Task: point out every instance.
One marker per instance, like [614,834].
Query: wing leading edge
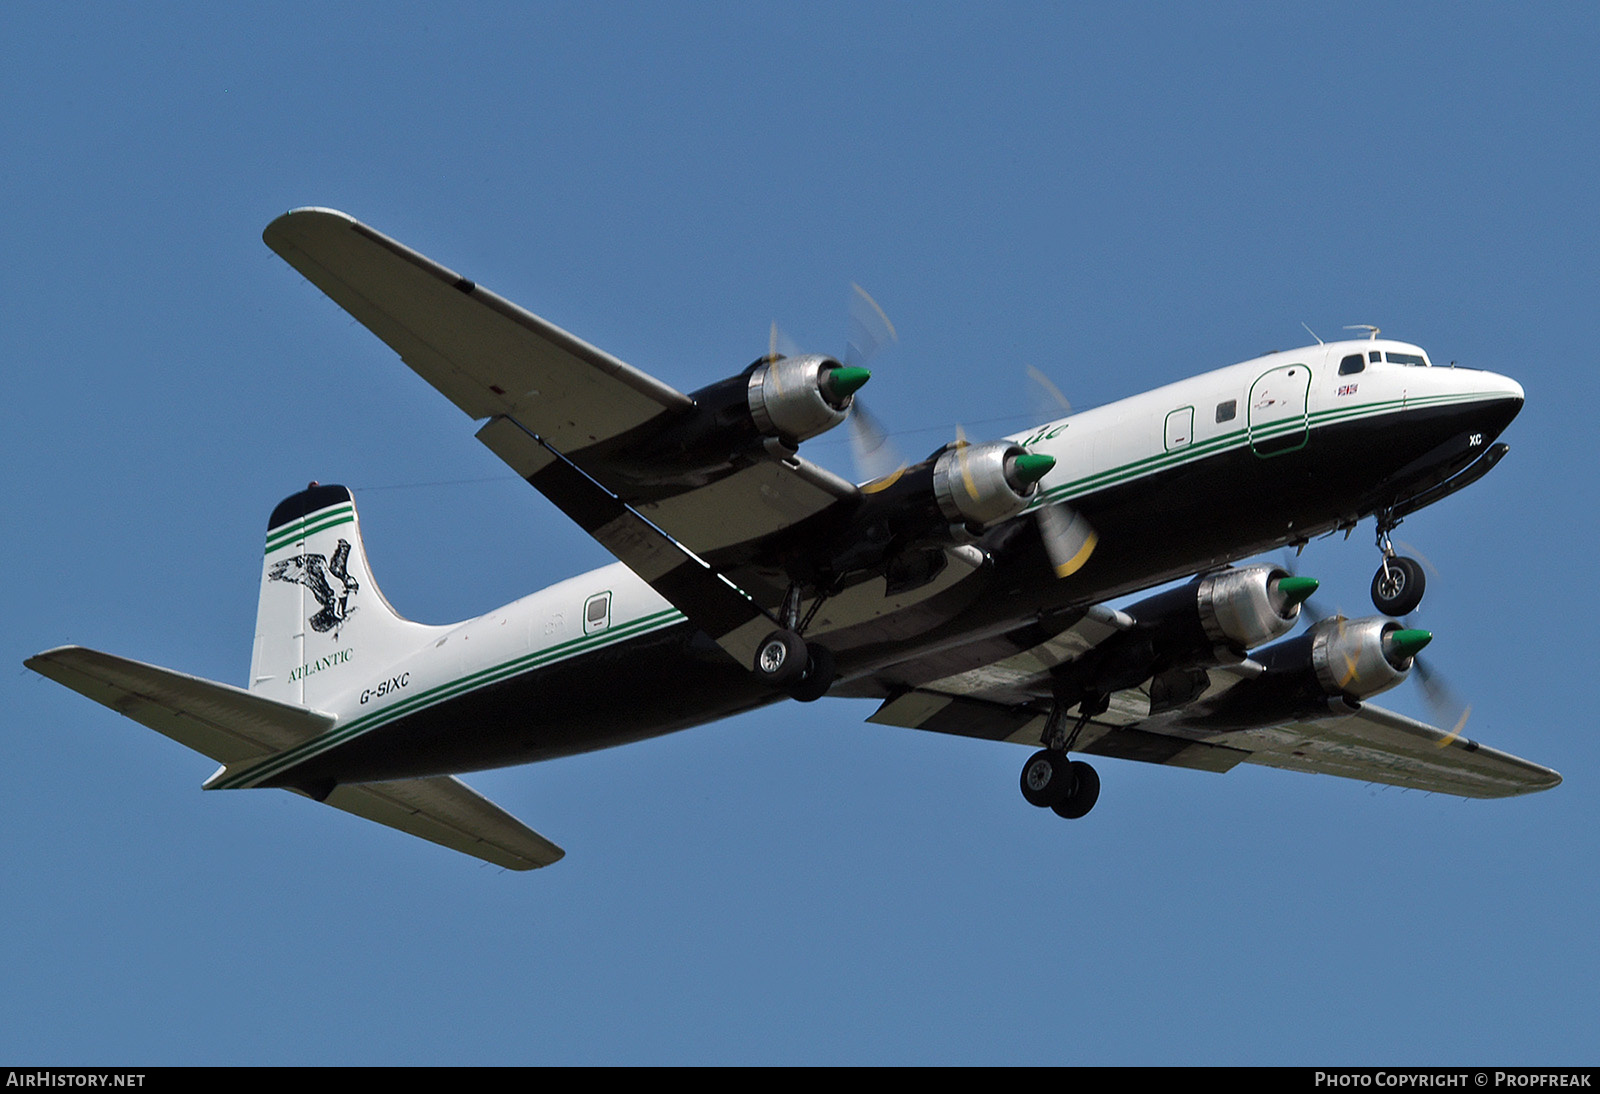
[498,361]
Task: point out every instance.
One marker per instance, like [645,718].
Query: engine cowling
[985,483]
[795,398]
[1250,606]
[1217,616]
[777,401]
[1359,658]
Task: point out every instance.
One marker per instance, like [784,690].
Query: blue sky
[1118,195]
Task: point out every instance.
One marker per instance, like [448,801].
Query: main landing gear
[785,660]
[1398,585]
[1049,779]
[1070,787]
[804,669]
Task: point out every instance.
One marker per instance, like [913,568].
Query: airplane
[965,594]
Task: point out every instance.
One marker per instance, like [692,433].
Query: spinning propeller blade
[877,461]
[1069,539]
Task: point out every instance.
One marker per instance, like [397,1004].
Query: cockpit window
[1354,363]
[1406,358]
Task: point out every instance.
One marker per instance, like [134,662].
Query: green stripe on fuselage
[341,734]
[1238,438]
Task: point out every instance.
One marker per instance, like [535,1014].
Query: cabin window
[597,613]
[1354,363]
[1227,411]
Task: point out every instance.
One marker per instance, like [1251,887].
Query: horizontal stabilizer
[233,726]
[450,813]
[226,723]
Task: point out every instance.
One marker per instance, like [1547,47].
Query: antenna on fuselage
[1372,331]
[1313,334]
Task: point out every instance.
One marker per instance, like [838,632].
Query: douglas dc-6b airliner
[964,594]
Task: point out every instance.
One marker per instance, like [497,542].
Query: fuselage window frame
[597,612]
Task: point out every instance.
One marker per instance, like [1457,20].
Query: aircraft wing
[233,726]
[1372,745]
[497,361]
[1008,699]
[482,352]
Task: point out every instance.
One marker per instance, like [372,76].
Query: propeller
[1448,708]
[1069,539]
[1048,401]
[878,462]
[1445,704]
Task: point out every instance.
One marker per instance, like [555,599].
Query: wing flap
[482,352]
[226,723]
[754,502]
[448,812]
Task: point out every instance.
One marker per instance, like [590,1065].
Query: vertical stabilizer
[322,625]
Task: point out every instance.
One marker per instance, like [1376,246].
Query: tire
[818,677]
[1085,792]
[1398,591]
[1046,777]
[781,659]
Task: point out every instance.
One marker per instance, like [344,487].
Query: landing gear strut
[1049,779]
[1398,585]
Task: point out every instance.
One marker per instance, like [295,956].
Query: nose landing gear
[1398,585]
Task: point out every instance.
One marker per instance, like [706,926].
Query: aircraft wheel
[1397,588]
[1085,792]
[818,677]
[781,659]
[1046,777]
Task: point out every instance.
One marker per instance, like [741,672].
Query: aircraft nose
[1499,400]
[1505,387]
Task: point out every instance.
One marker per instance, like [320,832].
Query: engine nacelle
[775,402]
[1359,658]
[983,484]
[1245,607]
[795,398]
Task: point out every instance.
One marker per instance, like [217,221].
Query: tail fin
[322,624]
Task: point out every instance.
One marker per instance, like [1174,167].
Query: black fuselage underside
[1163,526]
